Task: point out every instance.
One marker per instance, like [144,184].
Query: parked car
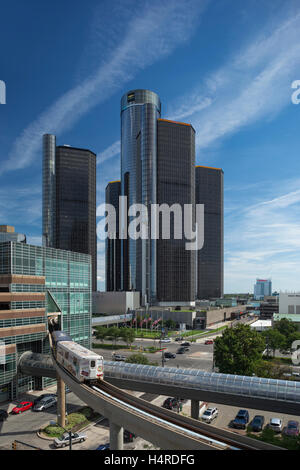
[186,343]
[166,340]
[119,357]
[45,403]
[178,338]
[64,440]
[275,424]
[292,428]
[3,415]
[103,447]
[210,414]
[128,436]
[22,406]
[209,341]
[241,419]
[257,423]
[45,395]
[169,355]
[171,403]
[180,351]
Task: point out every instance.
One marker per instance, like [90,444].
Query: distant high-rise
[157,166]
[210,259]
[261,288]
[113,245]
[69,200]
[8,234]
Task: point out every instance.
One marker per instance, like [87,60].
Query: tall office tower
[69,200]
[150,149]
[113,245]
[210,259]
[140,110]
[261,288]
[176,266]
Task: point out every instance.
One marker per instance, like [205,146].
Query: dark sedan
[169,355]
[257,423]
[3,415]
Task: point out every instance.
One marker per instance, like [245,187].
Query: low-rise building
[289,303]
[115,303]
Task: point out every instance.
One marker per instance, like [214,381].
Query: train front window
[93,363]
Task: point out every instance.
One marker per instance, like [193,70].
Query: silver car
[275,424]
[64,440]
[210,414]
[45,403]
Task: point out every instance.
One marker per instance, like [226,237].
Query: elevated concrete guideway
[111,319]
[248,392]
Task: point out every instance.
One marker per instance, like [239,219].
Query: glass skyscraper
[140,110]
[37,283]
[210,259]
[157,166]
[69,199]
[113,245]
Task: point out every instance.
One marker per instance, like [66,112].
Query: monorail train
[82,363]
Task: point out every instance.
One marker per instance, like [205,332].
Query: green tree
[295,336]
[138,359]
[101,333]
[127,335]
[171,324]
[285,327]
[113,333]
[238,349]
[274,339]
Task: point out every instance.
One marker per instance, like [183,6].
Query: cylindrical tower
[49,189]
[140,110]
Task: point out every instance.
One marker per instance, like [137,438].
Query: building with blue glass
[38,284]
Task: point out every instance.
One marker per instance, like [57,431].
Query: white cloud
[111,151]
[253,84]
[153,31]
[263,239]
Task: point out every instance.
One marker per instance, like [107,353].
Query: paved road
[24,426]
[200,356]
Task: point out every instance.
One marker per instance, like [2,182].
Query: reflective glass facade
[210,268]
[140,110]
[34,282]
[176,266]
[69,200]
[113,246]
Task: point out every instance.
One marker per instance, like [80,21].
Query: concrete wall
[219,315]
[115,303]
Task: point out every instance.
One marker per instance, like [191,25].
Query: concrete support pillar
[61,402]
[195,409]
[116,436]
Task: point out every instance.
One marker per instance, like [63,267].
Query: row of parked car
[276,424]
[40,404]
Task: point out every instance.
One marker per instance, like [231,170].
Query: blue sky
[225,66]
